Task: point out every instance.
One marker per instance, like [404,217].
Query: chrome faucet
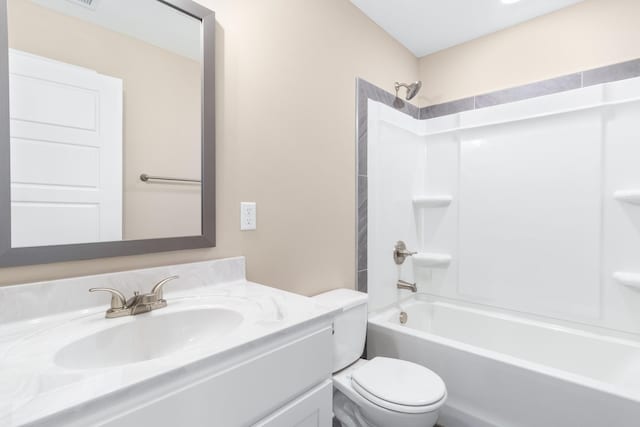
[137,304]
[407,286]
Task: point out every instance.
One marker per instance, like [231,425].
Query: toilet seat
[399,385]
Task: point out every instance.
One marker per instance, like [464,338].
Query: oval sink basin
[146,337]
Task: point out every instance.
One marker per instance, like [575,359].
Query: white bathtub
[507,371]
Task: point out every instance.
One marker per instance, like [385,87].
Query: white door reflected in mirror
[66,153]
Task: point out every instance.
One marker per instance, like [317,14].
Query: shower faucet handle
[400,252]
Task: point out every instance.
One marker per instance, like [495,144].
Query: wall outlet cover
[248,216]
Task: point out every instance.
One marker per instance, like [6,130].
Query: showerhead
[412,89]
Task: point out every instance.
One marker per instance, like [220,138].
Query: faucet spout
[407,286]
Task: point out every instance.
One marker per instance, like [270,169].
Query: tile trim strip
[607,74]
[366,91]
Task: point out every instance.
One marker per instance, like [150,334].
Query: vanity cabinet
[313,409]
[231,353]
[282,385]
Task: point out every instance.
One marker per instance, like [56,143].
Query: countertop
[34,386]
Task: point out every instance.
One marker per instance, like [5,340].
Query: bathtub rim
[547,321]
[380,319]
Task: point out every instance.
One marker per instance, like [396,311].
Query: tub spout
[406,285]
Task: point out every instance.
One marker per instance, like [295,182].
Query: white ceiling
[427,26]
[146,20]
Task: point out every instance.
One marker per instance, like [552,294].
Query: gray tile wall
[366,91]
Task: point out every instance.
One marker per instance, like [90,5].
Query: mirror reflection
[98,98]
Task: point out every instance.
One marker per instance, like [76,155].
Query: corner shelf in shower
[432,201]
[628,196]
[431,260]
[631,280]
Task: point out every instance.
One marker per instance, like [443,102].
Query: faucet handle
[157,289]
[118,300]
[400,252]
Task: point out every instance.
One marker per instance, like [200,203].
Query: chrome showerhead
[412,89]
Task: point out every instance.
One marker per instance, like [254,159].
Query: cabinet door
[313,409]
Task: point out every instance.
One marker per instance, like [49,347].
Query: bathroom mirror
[106,128]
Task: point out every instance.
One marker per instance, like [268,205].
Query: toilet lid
[398,383]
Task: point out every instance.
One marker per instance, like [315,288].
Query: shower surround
[367,92]
[524,206]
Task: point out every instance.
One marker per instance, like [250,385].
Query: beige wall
[588,35]
[286,120]
[285,78]
[161,126]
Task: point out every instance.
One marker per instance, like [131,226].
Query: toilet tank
[349,324]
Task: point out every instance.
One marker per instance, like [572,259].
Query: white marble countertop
[34,385]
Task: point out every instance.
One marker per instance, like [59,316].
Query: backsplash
[34,300]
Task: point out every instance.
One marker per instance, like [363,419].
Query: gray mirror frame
[48,254]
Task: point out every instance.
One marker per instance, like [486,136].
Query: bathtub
[503,370]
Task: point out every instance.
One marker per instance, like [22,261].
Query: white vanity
[224,352]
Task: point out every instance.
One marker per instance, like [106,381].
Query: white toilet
[381,392]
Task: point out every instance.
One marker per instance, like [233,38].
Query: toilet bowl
[390,398]
[382,392]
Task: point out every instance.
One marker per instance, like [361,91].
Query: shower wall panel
[530,215]
[399,162]
[537,204]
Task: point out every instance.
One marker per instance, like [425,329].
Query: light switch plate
[248,216]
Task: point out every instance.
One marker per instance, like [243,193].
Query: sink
[146,337]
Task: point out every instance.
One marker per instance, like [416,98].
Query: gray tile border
[533,90]
[612,73]
[366,91]
[362,280]
[362,222]
[447,108]
[362,131]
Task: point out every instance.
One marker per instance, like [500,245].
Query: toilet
[381,392]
